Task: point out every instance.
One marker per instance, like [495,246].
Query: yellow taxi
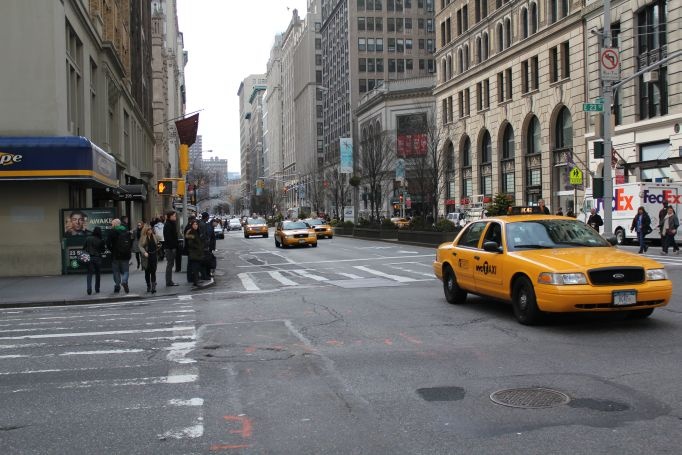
[255,226]
[289,233]
[322,229]
[401,223]
[553,264]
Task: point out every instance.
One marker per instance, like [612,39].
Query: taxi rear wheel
[314,245]
[526,308]
[453,293]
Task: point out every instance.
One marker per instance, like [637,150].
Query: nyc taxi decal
[486,269]
[7,159]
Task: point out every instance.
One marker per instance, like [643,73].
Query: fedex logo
[667,195]
[623,202]
[7,159]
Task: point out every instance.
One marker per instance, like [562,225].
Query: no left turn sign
[609,64]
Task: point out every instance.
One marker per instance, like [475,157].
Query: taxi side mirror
[491,247]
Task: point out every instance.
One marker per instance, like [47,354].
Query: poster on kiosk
[76,226]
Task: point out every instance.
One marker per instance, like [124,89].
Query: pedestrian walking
[595,221]
[195,251]
[209,243]
[149,250]
[170,245]
[137,235]
[641,224]
[94,246]
[120,245]
[560,212]
[669,227]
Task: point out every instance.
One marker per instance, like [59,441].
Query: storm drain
[530,398]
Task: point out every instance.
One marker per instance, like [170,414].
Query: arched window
[486,46]
[500,38]
[479,50]
[507,33]
[467,180]
[485,167]
[466,57]
[449,67]
[507,161]
[460,62]
[533,163]
[533,18]
[524,23]
[563,130]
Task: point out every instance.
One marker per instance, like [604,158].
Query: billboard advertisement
[412,135]
[76,225]
[346,152]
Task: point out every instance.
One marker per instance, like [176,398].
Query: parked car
[219,232]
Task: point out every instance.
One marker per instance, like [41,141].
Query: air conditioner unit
[651,76]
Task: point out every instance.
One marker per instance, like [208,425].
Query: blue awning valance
[55,158]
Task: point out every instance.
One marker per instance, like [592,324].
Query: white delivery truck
[628,197]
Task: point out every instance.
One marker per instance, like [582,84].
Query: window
[380,65]
[486,148]
[558,9]
[370,84]
[467,101]
[533,142]
[507,33]
[533,18]
[370,45]
[651,47]
[500,37]
[390,5]
[420,23]
[459,22]
[380,44]
[533,180]
[508,143]
[408,64]
[390,25]
[370,24]
[479,50]
[500,87]
[401,65]
[430,66]
[408,45]
[524,23]
[318,43]
[465,18]
[466,58]
[379,24]
[465,154]
[370,5]
[362,46]
[422,64]
[473,233]
[399,25]
[370,65]
[430,45]
[318,77]
[553,65]
[74,82]
[429,25]
[477,12]
[361,5]
[391,65]
[320,129]
[508,82]
[461,104]
[445,111]
[391,45]
[565,60]
[486,47]
[563,130]
[318,59]
[486,93]
[535,73]
[525,77]
[507,163]
[408,25]
[363,85]
[400,46]
[422,44]
[361,24]
[362,65]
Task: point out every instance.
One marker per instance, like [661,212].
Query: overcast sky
[227,40]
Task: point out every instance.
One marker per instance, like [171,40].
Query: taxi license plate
[301,240]
[624,298]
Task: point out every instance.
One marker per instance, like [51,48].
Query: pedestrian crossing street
[124,365]
[370,275]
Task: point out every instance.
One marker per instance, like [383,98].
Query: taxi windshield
[314,222]
[255,221]
[294,225]
[527,235]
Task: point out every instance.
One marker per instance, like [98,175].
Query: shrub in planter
[444,225]
[386,223]
[347,224]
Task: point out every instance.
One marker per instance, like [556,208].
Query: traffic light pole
[607,93]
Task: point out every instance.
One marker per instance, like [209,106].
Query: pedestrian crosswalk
[123,361]
[257,279]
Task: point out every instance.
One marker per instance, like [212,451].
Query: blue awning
[55,158]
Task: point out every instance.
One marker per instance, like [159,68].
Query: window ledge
[531,92]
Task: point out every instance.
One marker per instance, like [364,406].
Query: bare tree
[339,188]
[428,166]
[316,190]
[377,163]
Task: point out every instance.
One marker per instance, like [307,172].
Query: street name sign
[593,107]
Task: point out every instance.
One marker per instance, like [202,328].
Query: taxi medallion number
[624,298]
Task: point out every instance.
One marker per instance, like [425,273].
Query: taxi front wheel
[453,293]
[525,306]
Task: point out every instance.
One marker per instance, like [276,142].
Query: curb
[65,302]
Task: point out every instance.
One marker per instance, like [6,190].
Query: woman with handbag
[641,224]
[149,252]
[94,247]
[669,226]
[195,251]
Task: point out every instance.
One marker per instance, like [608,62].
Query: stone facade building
[511,83]
[76,120]
[248,123]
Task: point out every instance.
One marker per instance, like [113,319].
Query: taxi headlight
[656,274]
[562,278]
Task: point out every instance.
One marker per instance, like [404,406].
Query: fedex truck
[628,197]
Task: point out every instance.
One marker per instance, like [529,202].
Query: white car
[234,225]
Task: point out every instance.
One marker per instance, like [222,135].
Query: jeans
[150,270]
[193,271]
[120,268]
[668,241]
[94,266]
[170,263]
[642,243]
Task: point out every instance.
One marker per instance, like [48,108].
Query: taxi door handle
[477,257]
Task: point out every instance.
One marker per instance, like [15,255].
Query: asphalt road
[348,348]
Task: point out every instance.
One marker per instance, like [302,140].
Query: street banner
[400,170]
[76,225]
[187,129]
[412,137]
[346,147]
[349,213]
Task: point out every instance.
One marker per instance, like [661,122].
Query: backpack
[123,244]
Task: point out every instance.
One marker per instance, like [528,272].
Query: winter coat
[150,246]
[195,245]
[170,235]
[114,235]
[646,223]
[94,246]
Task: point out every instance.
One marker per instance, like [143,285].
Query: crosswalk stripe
[403,269]
[305,273]
[247,282]
[282,279]
[400,279]
[351,276]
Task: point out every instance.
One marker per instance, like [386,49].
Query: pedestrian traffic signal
[164,187]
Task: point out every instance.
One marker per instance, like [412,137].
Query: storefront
[40,178]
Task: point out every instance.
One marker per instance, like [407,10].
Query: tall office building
[364,43]
[249,90]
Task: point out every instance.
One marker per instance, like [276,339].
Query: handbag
[648,230]
[83,257]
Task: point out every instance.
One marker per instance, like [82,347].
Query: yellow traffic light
[181,188]
[183,161]
[164,187]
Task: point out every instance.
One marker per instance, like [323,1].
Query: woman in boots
[149,250]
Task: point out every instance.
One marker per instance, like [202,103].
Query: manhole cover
[530,398]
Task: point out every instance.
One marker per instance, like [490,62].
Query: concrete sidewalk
[72,289]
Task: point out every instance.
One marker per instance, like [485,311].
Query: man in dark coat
[208,240]
[120,245]
[170,244]
[595,221]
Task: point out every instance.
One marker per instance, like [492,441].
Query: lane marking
[306,274]
[248,282]
[282,279]
[350,275]
[400,279]
[83,334]
[378,258]
[113,351]
[404,269]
